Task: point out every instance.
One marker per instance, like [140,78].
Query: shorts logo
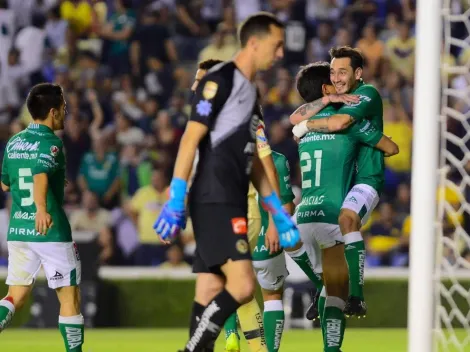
[54,150]
[210,90]
[239,226]
[75,249]
[352,199]
[57,276]
[242,246]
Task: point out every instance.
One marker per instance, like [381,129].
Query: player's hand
[300,129]
[272,240]
[344,98]
[43,222]
[169,222]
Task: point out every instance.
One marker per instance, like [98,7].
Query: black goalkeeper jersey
[226,102]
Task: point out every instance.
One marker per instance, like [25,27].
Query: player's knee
[241,287]
[349,221]
[207,287]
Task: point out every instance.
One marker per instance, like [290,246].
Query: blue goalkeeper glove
[172,218]
[289,235]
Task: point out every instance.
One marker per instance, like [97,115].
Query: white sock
[74,320]
[271,306]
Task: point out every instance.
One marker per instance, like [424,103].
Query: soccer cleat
[355,306]
[232,343]
[312,311]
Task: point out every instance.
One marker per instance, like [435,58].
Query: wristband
[177,193]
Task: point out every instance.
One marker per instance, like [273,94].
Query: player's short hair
[42,98]
[311,78]
[355,55]
[258,24]
[208,64]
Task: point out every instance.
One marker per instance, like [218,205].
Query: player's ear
[358,73]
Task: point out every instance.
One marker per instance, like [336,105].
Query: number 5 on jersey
[307,168]
[26,186]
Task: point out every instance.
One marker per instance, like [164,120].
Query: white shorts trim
[60,261]
[271,273]
[361,199]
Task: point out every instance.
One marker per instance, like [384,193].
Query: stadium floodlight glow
[424,176]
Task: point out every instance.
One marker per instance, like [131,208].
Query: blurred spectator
[99,173]
[403,201]
[167,137]
[135,170]
[31,42]
[385,240]
[8,25]
[148,53]
[24,10]
[391,28]
[77,143]
[12,78]
[190,28]
[91,217]
[321,10]
[118,31]
[212,13]
[245,8]
[144,208]
[78,14]
[174,257]
[343,37]
[56,29]
[401,52]
[372,50]
[126,133]
[321,44]
[223,46]
[176,111]
[283,93]
[398,126]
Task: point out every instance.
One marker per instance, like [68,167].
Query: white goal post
[439,297]
[424,176]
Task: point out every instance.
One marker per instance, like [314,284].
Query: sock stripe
[252,334]
[352,237]
[8,305]
[73,320]
[274,305]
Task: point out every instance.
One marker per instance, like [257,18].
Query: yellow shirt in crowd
[402,135]
[148,203]
[402,55]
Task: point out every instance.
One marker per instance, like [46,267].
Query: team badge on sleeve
[210,90]
[54,150]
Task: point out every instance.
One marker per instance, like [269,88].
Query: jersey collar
[359,84]
[39,127]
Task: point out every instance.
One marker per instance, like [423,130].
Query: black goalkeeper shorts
[220,231]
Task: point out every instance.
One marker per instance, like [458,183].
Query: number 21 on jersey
[307,168]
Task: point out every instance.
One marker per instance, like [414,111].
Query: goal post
[424,176]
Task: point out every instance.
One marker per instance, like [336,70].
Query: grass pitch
[171,340]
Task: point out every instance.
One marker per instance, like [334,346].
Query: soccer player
[324,188]
[223,124]
[39,232]
[345,74]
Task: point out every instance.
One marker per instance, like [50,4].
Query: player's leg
[62,266]
[357,207]
[225,251]
[232,338]
[271,274]
[208,285]
[249,314]
[307,255]
[335,274]
[23,267]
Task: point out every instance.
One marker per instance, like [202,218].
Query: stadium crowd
[126,67]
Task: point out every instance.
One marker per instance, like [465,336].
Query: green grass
[170,340]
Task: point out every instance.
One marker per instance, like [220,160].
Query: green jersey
[327,166]
[370,161]
[99,174]
[282,166]
[35,150]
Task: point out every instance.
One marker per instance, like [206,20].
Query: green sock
[321,309]
[230,325]
[355,252]
[73,332]
[300,256]
[273,318]
[334,324]
[7,310]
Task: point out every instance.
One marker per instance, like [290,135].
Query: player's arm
[309,110]
[5,176]
[265,154]
[367,134]
[46,164]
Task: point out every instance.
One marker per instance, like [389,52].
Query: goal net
[452,264]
